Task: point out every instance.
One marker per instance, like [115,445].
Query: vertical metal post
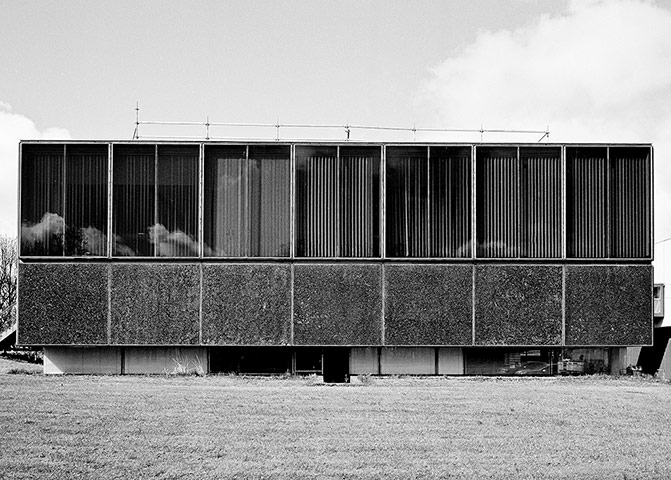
[110,198]
[64,197]
[382,241]
[201,200]
[136,134]
[155,249]
[564,203]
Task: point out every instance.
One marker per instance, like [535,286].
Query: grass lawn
[235,427]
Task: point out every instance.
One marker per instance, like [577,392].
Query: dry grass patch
[234,427]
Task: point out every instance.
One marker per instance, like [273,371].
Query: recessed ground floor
[337,364]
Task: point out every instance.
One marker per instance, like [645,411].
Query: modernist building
[334,257]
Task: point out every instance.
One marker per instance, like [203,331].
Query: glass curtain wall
[337,201]
[247,201]
[42,222]
[86,169]
[64,200]
[155,200]
[428,206]
[519,202]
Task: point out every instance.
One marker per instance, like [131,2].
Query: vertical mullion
[110,198]
[155,250]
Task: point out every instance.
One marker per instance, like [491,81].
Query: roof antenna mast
[136,133]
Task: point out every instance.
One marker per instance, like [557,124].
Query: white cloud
[599,72]
[15,127]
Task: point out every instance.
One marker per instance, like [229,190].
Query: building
[139,257]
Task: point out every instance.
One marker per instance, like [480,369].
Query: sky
[590,71]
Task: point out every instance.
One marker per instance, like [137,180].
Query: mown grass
[234,427]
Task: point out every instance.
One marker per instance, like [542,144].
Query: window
[519,202]
[247,201]
[64,200]
[428,204]
[608,204]
[337,201]
[155,200]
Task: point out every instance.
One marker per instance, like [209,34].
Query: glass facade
[368,201]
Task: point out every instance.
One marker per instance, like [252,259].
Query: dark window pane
[407,217]
[269,201]
[337,201]
[541,202]
[224,207]
[359,201]
[86,200]
[450,202]
[175,233]
[630,202]
[587,202]
[317,199]
[498,208]
[134,199]
[42,223]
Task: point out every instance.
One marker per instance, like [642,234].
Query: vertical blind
[337,201]
[428,202]
[587,210]
[450,202]
[42,223]
[247,201]
[134,199]
[541,202]
[630,202]
[269,201]
[175,232]
[86,200]
[498,207]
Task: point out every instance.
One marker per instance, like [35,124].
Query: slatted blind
[86,200]
[541,202]
[587,202]
[269,201]
[407,219]
[175,233]
[133,211]
[498,207]
[630,202]
[42,224]
[337,201]
[450,202]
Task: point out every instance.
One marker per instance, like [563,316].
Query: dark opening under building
[359,258]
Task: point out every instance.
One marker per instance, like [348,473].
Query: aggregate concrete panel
[246,304]
[75,360]
[337,304]
[518,305]
[62,304]
[408,361]
[155,304]
[609,305]
[428,304]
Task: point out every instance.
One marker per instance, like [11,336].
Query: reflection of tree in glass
[172,244]
[44,237]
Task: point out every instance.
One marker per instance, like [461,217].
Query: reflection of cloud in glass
[172,244]
[39,238]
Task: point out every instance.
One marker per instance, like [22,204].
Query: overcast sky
[594,71]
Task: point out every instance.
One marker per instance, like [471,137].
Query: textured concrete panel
[408,361]
[62,304]
[155,304]
[337,305]
[164,360]
[246,304]
[518,305]
[450,361]
[609,305]
[89,361]
[428,304]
